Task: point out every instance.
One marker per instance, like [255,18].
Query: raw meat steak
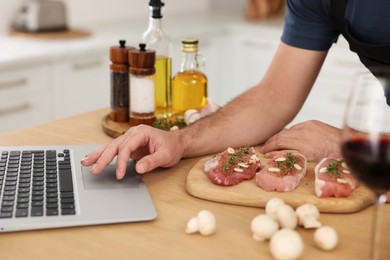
[283,172]
[333,179]
[232,166]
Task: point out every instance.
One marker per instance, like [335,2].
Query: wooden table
[164,238]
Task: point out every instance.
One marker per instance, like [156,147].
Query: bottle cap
[119,56]
[142,61]
[189,45]
[156,3]
[156,6]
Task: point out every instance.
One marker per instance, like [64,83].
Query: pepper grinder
[141,72]
[119,82]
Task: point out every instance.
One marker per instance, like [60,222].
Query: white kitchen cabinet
[328,98]
[38,94]
[252,55]
[220,68]
[252,52]
[24,97]
[81,84]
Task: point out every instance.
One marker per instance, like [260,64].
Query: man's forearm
[261,111]
[240,122]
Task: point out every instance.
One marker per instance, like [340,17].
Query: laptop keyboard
[36,183]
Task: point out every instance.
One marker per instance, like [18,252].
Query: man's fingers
[121,161]
[281,141]
[105,158]
[270,154]
[274,143]
[137,143]
[148,163]
[92,157]
[132,142]
[154,160]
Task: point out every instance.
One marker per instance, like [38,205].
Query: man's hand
[151,148]
[314,139]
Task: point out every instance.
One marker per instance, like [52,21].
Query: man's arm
[263,110]
[249,119]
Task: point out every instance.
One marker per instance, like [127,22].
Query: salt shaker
[142,70]
[119,82]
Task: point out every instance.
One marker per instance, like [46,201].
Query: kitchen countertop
[17,51]
[164,237]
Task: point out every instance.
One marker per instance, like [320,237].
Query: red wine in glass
[366,139]
[369,159]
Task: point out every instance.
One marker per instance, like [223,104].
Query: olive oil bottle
[189,86]
[156,39]
[162,81]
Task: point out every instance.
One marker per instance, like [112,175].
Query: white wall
[85,12]
[228,5]
[7,10]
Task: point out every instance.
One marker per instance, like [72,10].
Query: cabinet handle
[87,65]
[15,109]
[13,83]
[260,45]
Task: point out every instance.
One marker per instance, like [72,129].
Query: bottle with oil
[156,39]
[189,86]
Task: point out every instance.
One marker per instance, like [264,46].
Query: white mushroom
[204,223]
[308,215]
[286,244]
[173,128]
[192,226]
[286,216]
[263,227]
[326,238]
[210,108]
[191,116]
[272,205]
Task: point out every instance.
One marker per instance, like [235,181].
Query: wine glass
[366,139]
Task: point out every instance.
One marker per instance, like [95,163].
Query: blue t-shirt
[309,24]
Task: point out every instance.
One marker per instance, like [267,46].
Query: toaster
[40,16]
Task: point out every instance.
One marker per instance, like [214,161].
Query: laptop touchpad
[107,178]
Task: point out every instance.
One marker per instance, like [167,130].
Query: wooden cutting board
[247,193]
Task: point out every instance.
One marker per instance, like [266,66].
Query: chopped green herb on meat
[333,169]
[288,165]
[231,160]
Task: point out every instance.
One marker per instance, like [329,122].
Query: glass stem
[380,200]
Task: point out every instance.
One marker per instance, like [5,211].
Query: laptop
[46,187]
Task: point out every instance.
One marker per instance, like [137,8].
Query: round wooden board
[247,193]
[60,35]
[112,128]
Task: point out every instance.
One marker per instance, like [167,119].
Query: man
[259,115]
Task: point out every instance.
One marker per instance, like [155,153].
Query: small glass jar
[142,100]
[189,85]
